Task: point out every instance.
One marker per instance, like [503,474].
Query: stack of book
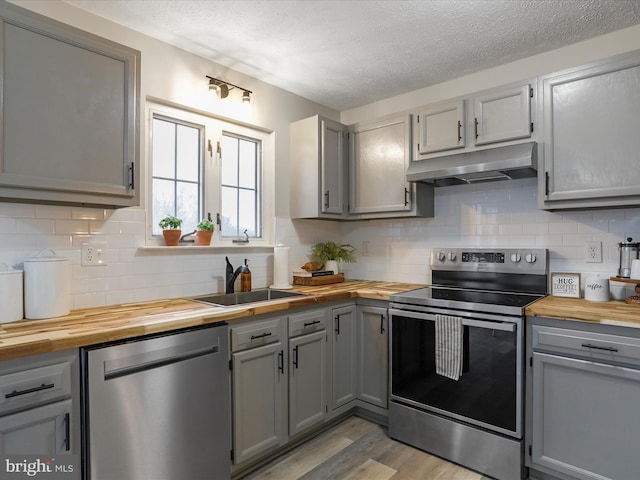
[318,277]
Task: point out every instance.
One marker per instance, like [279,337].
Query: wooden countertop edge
[581,310]
[118,322]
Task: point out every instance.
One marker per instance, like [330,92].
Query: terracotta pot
[172,237]
[203,237]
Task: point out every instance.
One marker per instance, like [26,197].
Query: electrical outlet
[594,252]
[94,254]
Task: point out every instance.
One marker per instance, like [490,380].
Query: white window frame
[214,126]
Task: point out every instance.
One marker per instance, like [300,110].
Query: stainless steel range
[457,357]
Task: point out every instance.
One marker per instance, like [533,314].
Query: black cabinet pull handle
[459,130]
[67,430]
[381,324]
[281,361]
[308,324]
[262,335]
[407,197]
[597,347]
[326,199]
[337,319]
[295,357]
[476,127]
[16,393]
[133,178]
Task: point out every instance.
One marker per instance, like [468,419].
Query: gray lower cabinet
[307,370]
[373,355]
[591,141]
[585,392]
[40,406]
[259,387]
[69,115]
[343,356]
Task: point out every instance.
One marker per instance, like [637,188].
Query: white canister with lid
[596,289]
[11,297]
[47,286]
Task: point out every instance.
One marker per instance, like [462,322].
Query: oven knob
[515,258]
[530,258]
[441,256]
[452,256]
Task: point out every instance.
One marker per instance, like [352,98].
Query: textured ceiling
[349,53]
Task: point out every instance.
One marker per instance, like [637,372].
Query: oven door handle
[503,326]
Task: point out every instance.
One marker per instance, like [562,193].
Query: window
[203,166]
[240,199]
[177,172]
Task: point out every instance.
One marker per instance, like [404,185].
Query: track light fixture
[222,88]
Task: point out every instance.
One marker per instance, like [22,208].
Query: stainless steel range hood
[501,163]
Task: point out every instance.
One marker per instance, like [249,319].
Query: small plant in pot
[204,232]
[171,232]
[330,253]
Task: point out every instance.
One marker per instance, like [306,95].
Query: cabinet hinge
[531,127]
[531,92]
[530,451]
[546,183]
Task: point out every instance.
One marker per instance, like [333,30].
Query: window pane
[247,159]
[247,213]
[188,153]
[163,148]
[229,160]
[163,202]
[230,212]
[188,205]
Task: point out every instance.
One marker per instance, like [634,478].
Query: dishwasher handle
[111,373]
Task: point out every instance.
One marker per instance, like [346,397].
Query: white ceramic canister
[596,289]
[47,286]
[11,298]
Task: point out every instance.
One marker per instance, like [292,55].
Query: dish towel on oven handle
[449,334]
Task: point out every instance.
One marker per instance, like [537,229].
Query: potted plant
[171,232]
[330,253]
[204,232]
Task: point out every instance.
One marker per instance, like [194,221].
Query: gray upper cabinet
[440,127]
[502,115]
[69,115]
[379,158]
[318,168]
[591,141]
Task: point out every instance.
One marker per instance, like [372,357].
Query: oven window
[486,391]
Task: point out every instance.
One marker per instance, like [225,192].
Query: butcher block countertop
[613,312]
[117,322]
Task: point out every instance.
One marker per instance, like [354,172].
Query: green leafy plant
[206,225]
[342,252]
[170,223]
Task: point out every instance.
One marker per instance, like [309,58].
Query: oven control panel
[531,260]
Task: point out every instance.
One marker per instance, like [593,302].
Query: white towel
[449,352]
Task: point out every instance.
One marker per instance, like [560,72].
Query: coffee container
[628,253]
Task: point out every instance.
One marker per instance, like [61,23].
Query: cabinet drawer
[255,335]
[307,322]
[598,346]
[28,388]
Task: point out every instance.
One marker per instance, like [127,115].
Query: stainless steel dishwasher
[158,407]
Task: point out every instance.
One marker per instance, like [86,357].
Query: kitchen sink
[242,298]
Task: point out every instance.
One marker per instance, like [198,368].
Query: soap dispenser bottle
[245,277]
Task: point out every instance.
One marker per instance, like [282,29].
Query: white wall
[497,214]
[173,75]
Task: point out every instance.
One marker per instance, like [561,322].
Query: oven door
[489,392]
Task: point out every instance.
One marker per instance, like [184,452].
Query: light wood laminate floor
[357,449]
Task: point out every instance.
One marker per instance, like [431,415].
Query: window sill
[204,248]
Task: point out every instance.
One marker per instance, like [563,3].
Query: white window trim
[214,126]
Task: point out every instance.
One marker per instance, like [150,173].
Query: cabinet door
[41,430]
[259,390]
[69,114]
[333,157]
[380,155]
[503,116]
[585,418]
[343,356]
[373,355]
[440,128]
[591,141]
[307,381]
